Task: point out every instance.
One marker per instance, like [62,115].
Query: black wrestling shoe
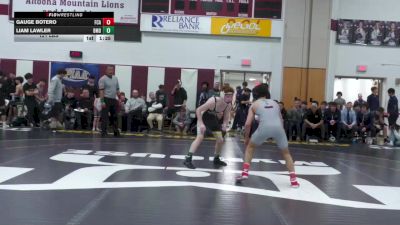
[104,134]
[188,163]
[218,162]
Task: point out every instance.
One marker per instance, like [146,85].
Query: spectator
[379,123]
[152,99]
[156,112]
[161,91]
[55,96]
[304,111]
[360,101]
[204,95]
[121,115]
[11,86]
[242,109]
[182,120]
[31,91]
[313,122]
[70,103]
[180,95]
[357,109]
[42,96]
[332,120]
[135,108]
[3,87]
[324,107]
[92,87]
[349,119]
[16,98]
[283,114]
[364,121]
[85,109]
[392,108]
[339,100]
[216,92]
[373,100]
[294,117]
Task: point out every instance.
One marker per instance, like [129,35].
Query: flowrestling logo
[175,24]
[97,172]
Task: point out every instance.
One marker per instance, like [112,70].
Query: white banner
[125,11]
[176,24]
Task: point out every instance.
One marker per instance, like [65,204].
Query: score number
[108,21]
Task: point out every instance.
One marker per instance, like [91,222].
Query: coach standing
[108,91]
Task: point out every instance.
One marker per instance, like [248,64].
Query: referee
[108,91]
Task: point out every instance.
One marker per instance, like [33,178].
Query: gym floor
[72,178]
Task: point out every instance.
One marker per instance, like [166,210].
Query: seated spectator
[182,120]
[379,123]
[313,122]
[69,103]
[332,120]
[135,108]
[339,100]
[349,120]
[323,107]
[364,121]
[84,109]
[121,116]
[294,117]
[304,111]
[156,112]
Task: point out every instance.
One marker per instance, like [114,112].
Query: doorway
[236,78]
[352,86]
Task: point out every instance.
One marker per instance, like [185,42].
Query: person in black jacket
[84,109]
[373,100]
[364,121]
[332,120]
[392,108]
[70,103]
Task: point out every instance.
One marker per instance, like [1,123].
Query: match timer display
[64,26]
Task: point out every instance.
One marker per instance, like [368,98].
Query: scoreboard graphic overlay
[63,26]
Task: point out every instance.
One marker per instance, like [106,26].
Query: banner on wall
[175,24]
[368,32]
[241,27]
[125,11]
[77,73]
